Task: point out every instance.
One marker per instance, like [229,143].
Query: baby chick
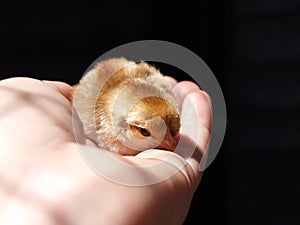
[127,107]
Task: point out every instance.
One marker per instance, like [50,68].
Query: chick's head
[153,122]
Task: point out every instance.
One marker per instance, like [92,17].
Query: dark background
[253,48]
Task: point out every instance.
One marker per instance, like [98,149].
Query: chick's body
[127,107]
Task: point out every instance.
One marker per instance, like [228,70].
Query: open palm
[45,180]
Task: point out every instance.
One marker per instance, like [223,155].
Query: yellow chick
[127,107]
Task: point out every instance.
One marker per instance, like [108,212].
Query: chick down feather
[127,107]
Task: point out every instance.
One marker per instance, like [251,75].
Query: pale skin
[44,179]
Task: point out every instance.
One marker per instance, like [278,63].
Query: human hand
[45,180]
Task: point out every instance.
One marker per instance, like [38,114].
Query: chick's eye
[145,132]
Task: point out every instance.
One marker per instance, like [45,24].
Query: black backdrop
[251,46]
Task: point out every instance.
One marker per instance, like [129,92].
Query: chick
[127,107]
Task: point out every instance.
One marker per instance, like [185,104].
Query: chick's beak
[169,143]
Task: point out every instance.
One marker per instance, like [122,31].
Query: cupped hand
[44,179]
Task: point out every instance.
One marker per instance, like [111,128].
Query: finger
[164,165]
[171,79]
[61,87]
[196,118]
[195,129]
[182,89]
[208,100]
[202,104]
